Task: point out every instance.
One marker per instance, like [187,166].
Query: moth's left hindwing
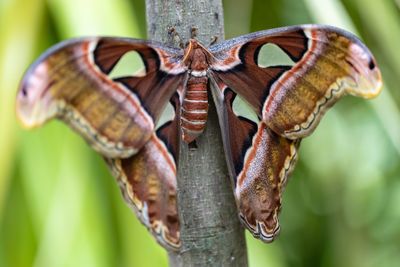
[117,117]
[148,181]
[288,99]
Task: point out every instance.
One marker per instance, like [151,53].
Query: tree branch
[211,233]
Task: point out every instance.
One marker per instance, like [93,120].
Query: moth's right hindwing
[260,162]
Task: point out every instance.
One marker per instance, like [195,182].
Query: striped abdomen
[194,108]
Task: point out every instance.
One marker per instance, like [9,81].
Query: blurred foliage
[60,207]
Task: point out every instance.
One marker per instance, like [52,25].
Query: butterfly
[120,117]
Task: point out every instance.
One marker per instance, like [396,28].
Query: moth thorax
[194,108]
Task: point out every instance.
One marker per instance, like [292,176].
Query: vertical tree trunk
[210,230]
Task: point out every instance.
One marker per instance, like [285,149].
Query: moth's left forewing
[291,98]
[72,81]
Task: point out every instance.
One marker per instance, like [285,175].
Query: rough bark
[210,230]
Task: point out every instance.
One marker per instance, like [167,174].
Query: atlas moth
[121,117]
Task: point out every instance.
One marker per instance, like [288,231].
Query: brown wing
[259,161]
[288,99]
[117,117]
[291,99]
[148,181]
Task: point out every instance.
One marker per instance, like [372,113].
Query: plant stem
[211,233]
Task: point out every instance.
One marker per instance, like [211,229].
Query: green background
[59,206]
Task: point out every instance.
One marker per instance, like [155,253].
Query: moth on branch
[120,117]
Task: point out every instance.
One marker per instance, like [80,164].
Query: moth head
[189,51]
[34,104]
[196,56]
